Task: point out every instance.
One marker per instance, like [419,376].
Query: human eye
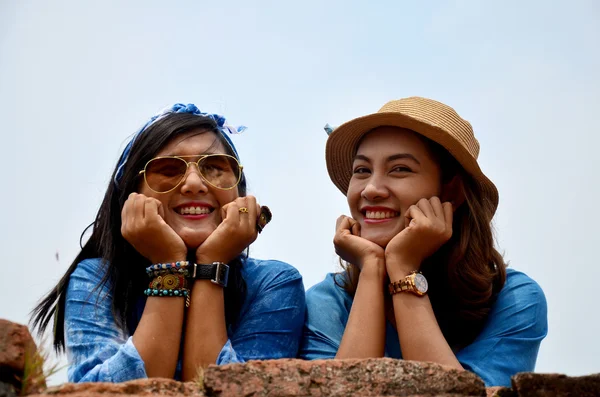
[400,169]
[214,167]
[168,167]
[215,164]
[361,170]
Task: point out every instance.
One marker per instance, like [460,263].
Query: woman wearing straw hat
[164,285]
[422,278]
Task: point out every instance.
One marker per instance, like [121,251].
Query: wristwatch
[415,282]
[216,272]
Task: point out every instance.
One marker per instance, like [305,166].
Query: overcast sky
[77,78]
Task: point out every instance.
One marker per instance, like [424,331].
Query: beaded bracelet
[173,267]
[167,292]
[156,273]
[181,292]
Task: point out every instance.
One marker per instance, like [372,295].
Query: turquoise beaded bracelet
[179,293]
[167,292]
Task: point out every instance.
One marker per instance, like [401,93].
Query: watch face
[421,283]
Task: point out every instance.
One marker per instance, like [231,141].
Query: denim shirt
[508,343]
[269,325]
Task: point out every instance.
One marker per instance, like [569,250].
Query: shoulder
[86,287]
[521,287]
[329,293]
[262,274]
[520,305]
[88,271]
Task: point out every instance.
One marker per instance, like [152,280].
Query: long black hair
[127,282]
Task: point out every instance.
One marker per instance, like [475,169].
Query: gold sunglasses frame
[197,162]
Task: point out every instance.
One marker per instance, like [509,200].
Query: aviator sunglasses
[165,173]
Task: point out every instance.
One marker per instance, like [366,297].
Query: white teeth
[194,210]
[381,214]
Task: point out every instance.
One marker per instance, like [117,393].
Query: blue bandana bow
[224,128]
[328,129]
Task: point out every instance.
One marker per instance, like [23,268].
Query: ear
[453,191]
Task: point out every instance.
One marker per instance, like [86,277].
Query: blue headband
[224,128]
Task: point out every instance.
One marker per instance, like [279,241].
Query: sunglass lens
[163,174]
[221,171]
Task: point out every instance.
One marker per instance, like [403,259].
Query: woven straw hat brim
[342,143]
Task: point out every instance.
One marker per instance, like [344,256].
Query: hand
[352,248]
[428,226]
[144,227]
[236,232]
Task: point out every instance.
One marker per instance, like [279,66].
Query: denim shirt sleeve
[97,349]
[510,340]
[271,319]
[327,311]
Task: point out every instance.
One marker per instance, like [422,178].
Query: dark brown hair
[466,274]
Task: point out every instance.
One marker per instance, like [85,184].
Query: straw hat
[427,117]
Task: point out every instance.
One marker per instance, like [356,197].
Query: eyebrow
[391,158]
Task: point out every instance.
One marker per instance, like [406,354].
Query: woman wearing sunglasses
[423,279]
[164,285]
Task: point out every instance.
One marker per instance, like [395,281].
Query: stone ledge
[370,377]
[541,385]
[139,387]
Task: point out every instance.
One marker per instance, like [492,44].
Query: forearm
[158,335]
[364,335]
[205,332]
[421,338]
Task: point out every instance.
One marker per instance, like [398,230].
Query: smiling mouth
[381,214]
[194,210]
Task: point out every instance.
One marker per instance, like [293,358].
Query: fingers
[355,230]
[345,224]
[224,210]
[131,212]
[436,206]
[414,215]
[138,208]
[440,222]
[448,214]
[125,213]
[153,209]
[434,209]
[426,208]
[249,218]
[243,213]
[232,213]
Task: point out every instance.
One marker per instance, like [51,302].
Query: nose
[193,182]
[375,189]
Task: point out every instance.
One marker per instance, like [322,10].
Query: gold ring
[243,210]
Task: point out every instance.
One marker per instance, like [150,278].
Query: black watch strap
[217,272]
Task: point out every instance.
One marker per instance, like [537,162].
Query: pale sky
[78,78]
